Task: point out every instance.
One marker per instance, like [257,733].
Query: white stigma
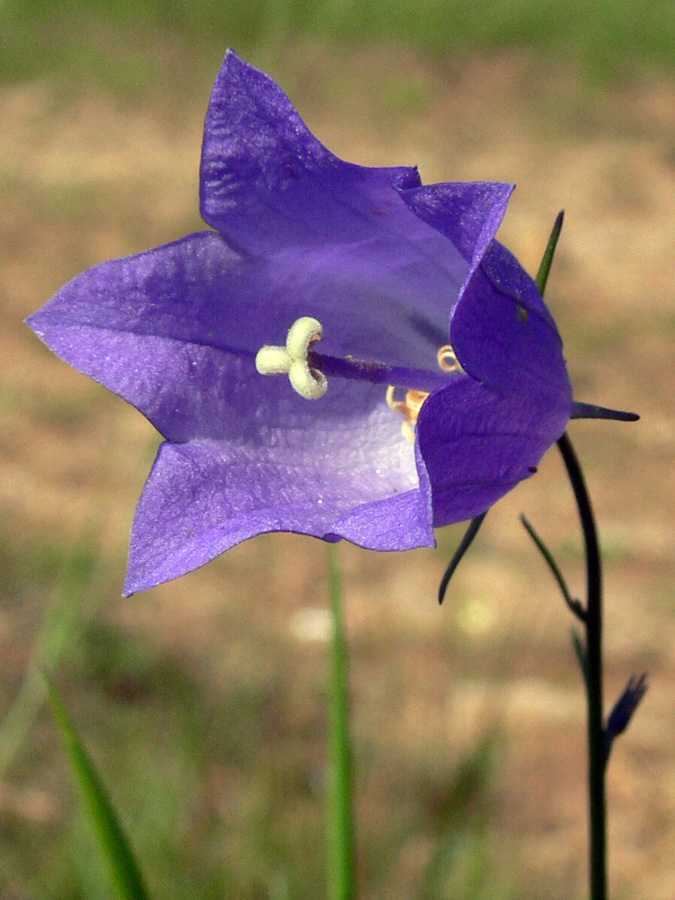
[291,360]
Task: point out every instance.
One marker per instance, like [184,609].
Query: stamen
[413,404]
[408,408]
[414,399]
[447,360]
[394,405]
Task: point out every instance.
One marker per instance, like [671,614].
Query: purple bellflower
[441,386]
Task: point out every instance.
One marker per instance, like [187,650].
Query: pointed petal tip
[591,411]
[129,589]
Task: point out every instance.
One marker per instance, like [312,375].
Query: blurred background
[203,701]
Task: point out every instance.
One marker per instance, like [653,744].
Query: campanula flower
[346,354]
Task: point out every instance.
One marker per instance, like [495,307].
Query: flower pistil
[308,370]
[292,360]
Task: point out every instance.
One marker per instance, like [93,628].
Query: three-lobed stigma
[292,360]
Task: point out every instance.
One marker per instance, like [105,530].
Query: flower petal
[468,214]
[204,497]
[267,182]
[141,326]
[505,337]
[476,444]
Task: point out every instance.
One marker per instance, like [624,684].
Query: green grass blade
[124,872]
[341,854]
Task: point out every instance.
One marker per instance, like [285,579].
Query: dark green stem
[465,543]
[593,673]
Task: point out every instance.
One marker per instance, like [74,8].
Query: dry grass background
[85,177]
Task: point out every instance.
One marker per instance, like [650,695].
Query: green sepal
[546,260]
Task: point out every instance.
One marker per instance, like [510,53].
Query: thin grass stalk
[341,840]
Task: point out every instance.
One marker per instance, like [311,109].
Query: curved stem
[594,693]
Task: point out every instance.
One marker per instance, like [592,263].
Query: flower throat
[308,371]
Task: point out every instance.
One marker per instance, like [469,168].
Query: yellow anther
[410,407]
[447,359]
